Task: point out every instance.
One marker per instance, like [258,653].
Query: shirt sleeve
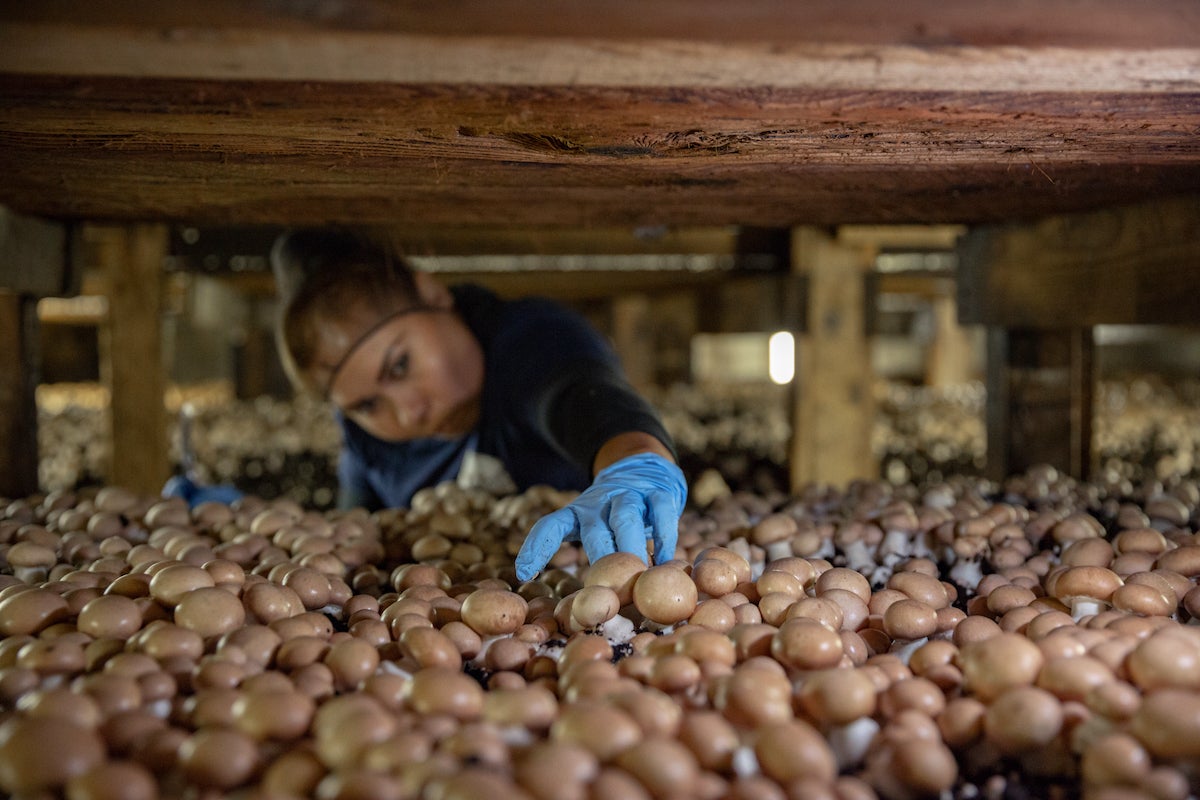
[565,373]
[591,403]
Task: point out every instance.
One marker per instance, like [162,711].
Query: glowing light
[781,357]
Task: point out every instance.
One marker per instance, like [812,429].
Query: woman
[433,383]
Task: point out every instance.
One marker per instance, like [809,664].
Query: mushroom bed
[968,640]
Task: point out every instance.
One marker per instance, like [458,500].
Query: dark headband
[366,335]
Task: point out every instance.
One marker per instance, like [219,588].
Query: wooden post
[34,263]
[1040,288]
[131,352]
[835,411]
[951,353]
[1039,400]
[19,366]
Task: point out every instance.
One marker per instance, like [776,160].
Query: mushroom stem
[858,556]
[967,572]
[745,762]
[905,651]
[851,741]
[1086,606]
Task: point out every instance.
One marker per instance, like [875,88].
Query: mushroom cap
[1139,540]
[1185,560]
[1168,723]
[1097,583]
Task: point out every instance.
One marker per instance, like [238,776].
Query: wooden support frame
[834,407]
[1040,395]
[1134,265]
[35,256]
[1040,288]
[35,262]
[951,360]
[131,352]
[693,112]
[19,360]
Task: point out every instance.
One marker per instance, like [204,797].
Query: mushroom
[1086,590]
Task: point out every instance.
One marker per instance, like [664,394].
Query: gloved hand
[637,498]
[195,493]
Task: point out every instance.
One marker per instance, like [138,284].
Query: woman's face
[418,375]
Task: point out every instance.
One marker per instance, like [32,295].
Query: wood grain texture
[575,114]
[1127,265]
[131,351]
[20,373]
[918,22]
[1040,398]
[226,152]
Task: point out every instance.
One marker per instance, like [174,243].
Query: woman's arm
[637,493]
[629,444]
[596,418]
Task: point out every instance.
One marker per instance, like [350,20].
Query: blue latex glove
[195,493]
[637,498]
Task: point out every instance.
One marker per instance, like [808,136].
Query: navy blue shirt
[553,393]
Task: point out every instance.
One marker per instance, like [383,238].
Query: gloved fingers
[221,493]
[543,541]
[594,533]
[627,518]
[664,523]
[179,486]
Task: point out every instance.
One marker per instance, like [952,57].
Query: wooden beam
[952,356]
[34,263]
[131,351]
[582,115]
[1040,393]
[268,152]
[561,285]
[776,48]
[929,285]
[20,364]
[834,415]
[216,249]
[1129,265]
[34,256]
[753,304]
[919,23]
[901,237]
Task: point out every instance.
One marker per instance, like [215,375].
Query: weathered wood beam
[19,366]
[901,237]
[621,43]
[916,22]
[952,357]
[131,351]
[35,262]
[192,247]
[403,58]
[1040,392]
[572,286]
[753,304]
[34,256]
[253,152]
[578,115]
[1129,265]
